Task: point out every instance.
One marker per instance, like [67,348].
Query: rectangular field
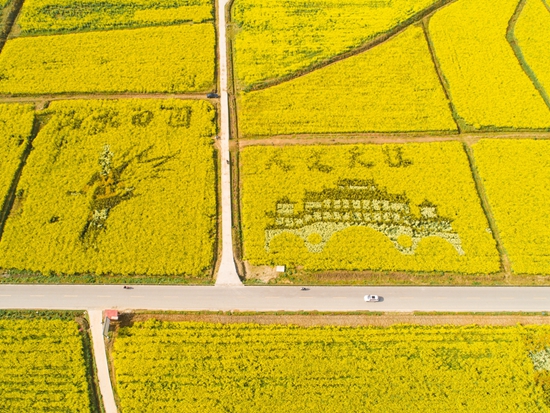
[16,123]
[273,368]
[516,177]
[59,16]
[43,367]
[410,207]
[117,187]
[176,59]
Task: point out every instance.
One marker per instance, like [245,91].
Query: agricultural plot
[275,39]
[516,177]
[532,33]
[407,207]
[16,123]
[156,59]
[58,16]
[487,83]
[392,87]
[273,368]
[117,187]
[43,367]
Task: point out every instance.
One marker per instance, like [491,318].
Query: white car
[374,298]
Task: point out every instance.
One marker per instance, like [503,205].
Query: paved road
[275,298]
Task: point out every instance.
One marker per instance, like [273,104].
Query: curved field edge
[369,42]
[529,34]
[376,91]
[487,85]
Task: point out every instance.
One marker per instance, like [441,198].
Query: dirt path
[356,138]
[381,320]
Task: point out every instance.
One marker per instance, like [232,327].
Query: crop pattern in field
[43,367]
[379,90]
[16,123]
[516,177]
[364,207]
[190,367]
[117,187]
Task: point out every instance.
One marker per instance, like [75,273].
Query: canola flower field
[276,39]
[370,92]
[532,33]
[58,16]
[43,367]
[16,123]
[410,207]
[471,65]
[117,187]
[266,368]
[175,59]
[516,177]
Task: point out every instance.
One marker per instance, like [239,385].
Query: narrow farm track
[356,138]
[418,17]
[96,96]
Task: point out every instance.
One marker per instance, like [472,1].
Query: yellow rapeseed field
[275,38]
[16,122]
[487,83]
[56,16]
[516,176]
[43,367]
[392,87]
[250,368]
[532,33]
[407,207]
[117,187]
[155,59]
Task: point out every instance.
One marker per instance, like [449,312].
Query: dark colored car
[212,95]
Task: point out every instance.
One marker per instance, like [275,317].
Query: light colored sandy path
[100,356]
[227,272]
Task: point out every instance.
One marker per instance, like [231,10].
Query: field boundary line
[377,40]
[99,96]
[486,206]
[513,41]
[7,204]
[441,76]
[13,13]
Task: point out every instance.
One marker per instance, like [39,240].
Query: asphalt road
[274,298]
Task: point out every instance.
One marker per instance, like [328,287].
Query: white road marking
[170,296]
[540,298]
[473,298]
[5,295]
[70,296]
